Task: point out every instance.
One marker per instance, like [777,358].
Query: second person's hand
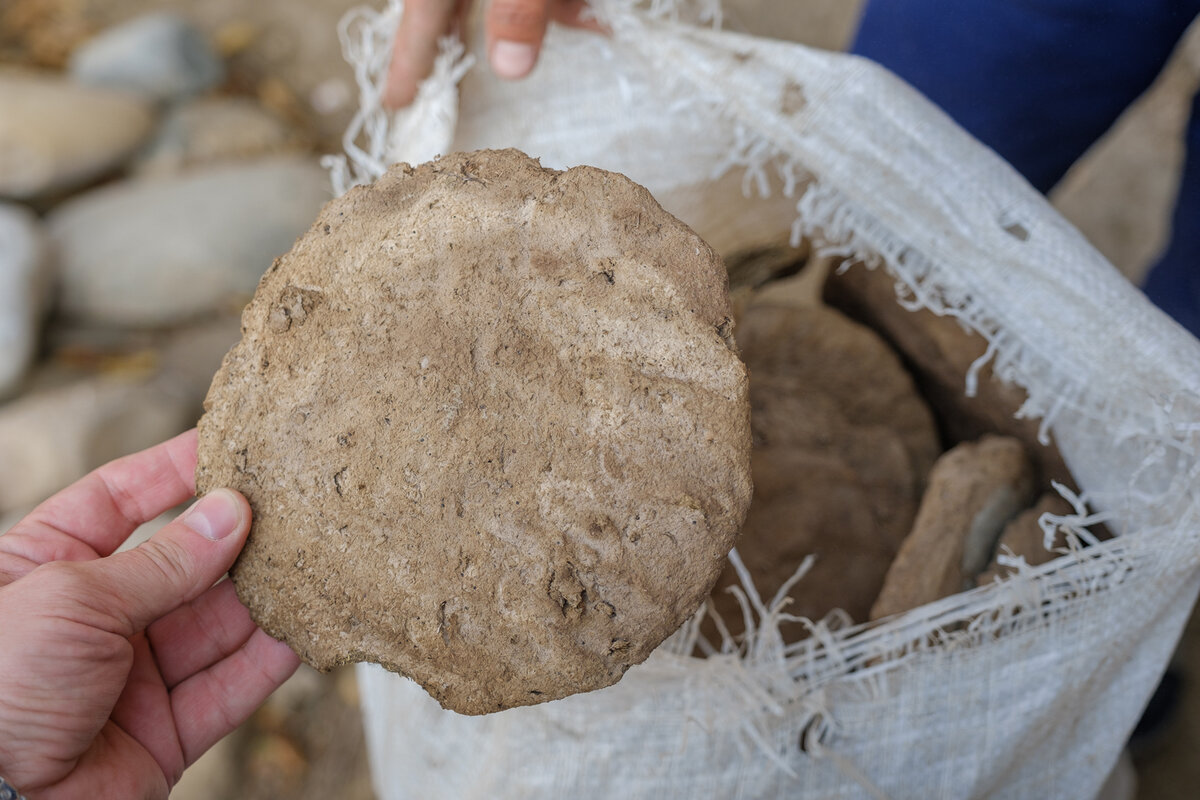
[514,31]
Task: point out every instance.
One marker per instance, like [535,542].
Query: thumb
[175,565]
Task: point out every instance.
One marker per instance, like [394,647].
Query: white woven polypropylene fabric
[1027,688]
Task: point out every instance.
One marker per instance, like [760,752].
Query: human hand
[118,671]
[514,30]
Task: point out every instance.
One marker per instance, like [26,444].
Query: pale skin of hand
[514,30]
[118,671]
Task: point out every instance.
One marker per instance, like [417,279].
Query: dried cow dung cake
[493,426]
[842,445]
[845,505]
[941,353]
[974,490]
[798,352]
[1023,536]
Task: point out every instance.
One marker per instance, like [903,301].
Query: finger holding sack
[514,30]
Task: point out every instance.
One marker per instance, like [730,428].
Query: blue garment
[1039,81]
[1174,282]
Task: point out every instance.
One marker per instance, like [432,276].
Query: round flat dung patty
[493,427]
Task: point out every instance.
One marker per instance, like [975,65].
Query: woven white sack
[1026,688]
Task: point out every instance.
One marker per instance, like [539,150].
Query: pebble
[185,357]
[191,355]
[161,56]
[78,413]
[152,252]
[212,129]
[56,135]
[24,285]
[51,438]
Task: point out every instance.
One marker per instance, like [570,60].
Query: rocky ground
[127,171]
[138,159]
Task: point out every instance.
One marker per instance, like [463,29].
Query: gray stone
[53,437]
[184,358]
[161,56]
[55,135]
[190,356]
[211,129]
[24,282]
[158,251]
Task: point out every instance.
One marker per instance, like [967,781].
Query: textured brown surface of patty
[493,427]
[842,444]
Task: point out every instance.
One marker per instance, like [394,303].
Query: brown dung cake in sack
[941,352]
[493,427]
[842,444]
[974,490]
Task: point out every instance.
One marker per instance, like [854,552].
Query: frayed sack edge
[757,674]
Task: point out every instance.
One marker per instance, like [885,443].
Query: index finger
[424,22]
[94,515]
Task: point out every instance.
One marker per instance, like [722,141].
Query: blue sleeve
[1038,81]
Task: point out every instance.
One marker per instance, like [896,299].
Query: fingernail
[214,516]
[512,59]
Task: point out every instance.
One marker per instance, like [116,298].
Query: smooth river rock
[161,56]
[157,251]
[23,291]
[212,129]
[55,135]
[52,437]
